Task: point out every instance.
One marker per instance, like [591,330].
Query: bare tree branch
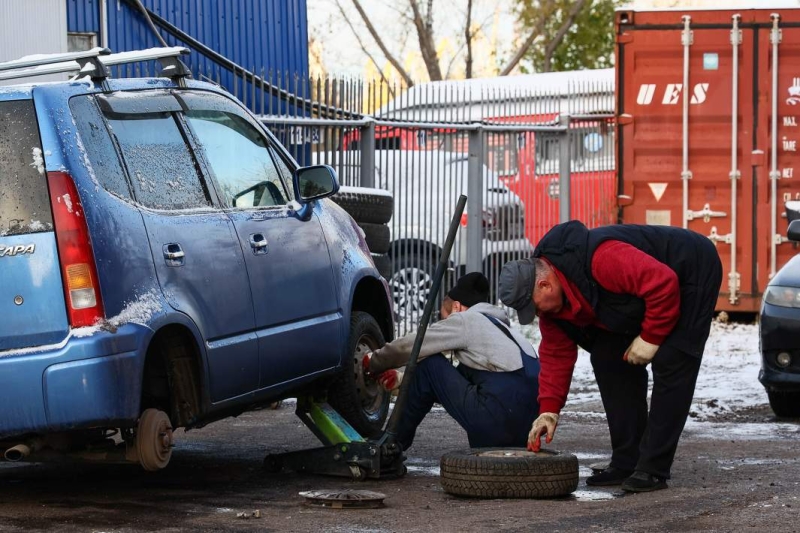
[538,30]
[395,63]
[364,48]
[468,36]
[558,38]
[427,43]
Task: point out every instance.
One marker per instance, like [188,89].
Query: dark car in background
[780,330]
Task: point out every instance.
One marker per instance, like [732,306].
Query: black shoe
[609,476]
[643,482]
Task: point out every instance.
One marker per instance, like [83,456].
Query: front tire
[785,404]
[359,398]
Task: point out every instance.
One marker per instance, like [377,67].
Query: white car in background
[426,186]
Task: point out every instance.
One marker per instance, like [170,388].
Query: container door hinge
[775,34]
[706,214]
[687,35]
[624,38]
[716,237]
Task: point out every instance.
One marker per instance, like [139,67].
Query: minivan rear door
[32,310]
[194,245]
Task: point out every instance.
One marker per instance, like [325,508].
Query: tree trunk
[427,43]
[468,37]
[395,63]
[558,38]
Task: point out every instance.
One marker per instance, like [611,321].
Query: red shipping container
[708,131]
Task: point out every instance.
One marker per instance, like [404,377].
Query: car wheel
[154,440]
[509,473]
[411,284]
[785,404]
[357,397]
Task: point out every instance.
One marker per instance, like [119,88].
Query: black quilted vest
[693,257]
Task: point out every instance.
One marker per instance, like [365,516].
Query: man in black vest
[629,295]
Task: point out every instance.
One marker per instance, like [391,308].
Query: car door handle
[173,254]
[259,243]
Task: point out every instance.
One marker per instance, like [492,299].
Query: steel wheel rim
[370,393]
[411,287]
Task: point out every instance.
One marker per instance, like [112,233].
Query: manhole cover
[344,499]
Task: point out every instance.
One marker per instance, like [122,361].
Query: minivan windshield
[24,200]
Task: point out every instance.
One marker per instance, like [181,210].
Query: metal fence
[515,149]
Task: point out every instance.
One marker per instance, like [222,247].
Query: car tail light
[487,219]
[78,271]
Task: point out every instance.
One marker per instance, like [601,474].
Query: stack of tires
[372,211]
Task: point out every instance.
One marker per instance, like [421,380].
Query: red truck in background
[708,131]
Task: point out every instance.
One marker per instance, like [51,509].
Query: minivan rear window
[24,200]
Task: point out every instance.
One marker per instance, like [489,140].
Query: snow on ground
[728,379]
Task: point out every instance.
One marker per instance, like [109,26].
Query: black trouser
[496,409]
[642,442]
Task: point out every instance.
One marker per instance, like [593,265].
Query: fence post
[475,187]
[367,145]
[564,171]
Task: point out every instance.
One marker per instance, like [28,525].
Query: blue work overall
[496,409]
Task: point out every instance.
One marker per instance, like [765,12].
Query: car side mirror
[794,230]
[311,183]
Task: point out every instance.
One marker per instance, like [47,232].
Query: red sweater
[617,267]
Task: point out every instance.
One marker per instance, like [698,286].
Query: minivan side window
[24,200]
[239,158]
[99,147]
[160,165]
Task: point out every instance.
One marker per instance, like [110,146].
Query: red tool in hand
[391,379]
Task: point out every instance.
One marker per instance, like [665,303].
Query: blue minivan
[164,263]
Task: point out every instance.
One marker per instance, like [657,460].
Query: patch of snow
[38,160]
[139,311]
[728,378]
[365,190]
[35,349]
[67,201]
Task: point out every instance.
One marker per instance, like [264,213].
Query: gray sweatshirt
[474,340]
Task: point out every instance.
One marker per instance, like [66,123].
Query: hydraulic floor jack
[344,451]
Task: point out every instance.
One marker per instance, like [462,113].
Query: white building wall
[32,27]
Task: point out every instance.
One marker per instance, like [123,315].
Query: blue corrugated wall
[256,34]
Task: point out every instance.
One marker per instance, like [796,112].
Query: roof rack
[94,63]
[49,59]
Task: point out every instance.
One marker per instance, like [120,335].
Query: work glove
[546,423]
[391,379]
[365,364]
[640,352]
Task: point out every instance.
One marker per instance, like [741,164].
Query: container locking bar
[775,38]
[735,174]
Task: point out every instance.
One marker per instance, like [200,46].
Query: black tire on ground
[509,473]
[384,264]
[366,207]
[377,237]
[785,404]
[358,398]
